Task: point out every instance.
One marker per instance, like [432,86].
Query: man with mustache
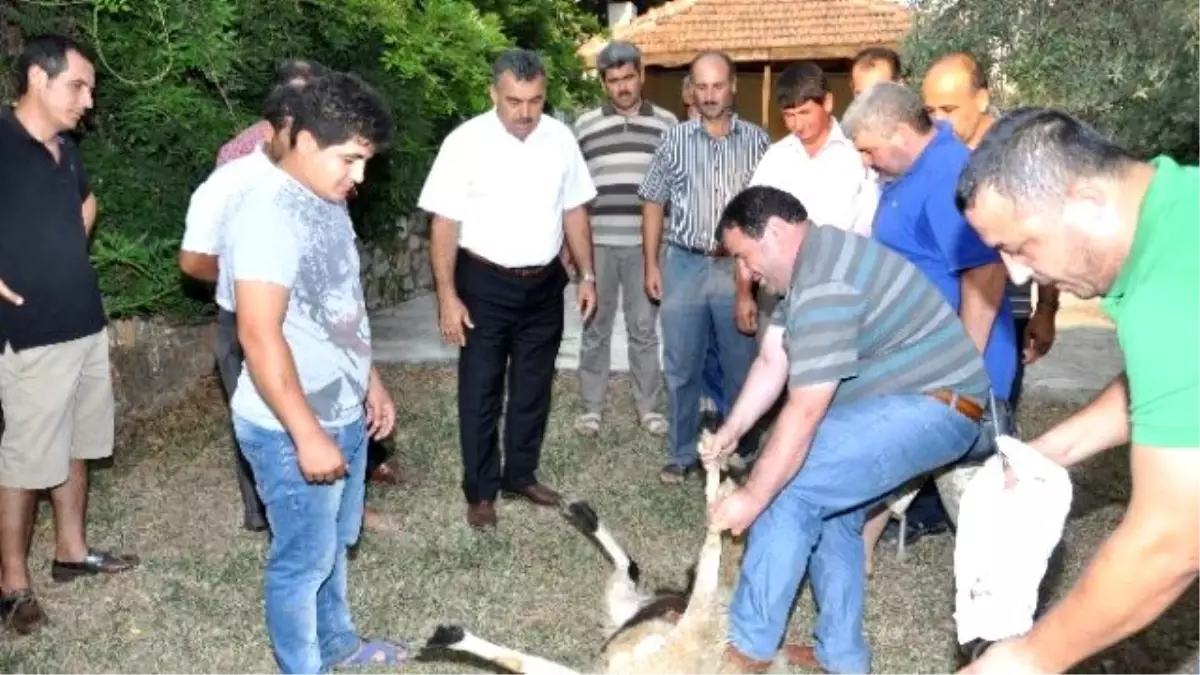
[714,403]
[700,165]
[507,188]
[618,139]
[55,381]
[1068,207]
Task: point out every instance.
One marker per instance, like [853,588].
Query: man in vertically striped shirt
[883,384]
[700,165]
[618,140]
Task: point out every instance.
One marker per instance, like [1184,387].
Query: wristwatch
[587,278]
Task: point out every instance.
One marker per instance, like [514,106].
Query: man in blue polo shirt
[919,219]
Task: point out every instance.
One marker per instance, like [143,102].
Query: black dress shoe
[95,562]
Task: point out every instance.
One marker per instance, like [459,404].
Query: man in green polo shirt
[1064,204]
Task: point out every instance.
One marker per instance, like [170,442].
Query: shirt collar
[8,116]
[736,125]
[943,133]
[1155,203]
[498,125]
[645,110]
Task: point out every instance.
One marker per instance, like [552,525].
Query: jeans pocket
[272,457]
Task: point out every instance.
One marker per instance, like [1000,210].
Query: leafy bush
[1126,66]
[177,78]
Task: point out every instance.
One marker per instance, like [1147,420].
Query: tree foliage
[177,78]
[1127,67]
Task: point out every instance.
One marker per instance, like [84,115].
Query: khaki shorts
[58,406]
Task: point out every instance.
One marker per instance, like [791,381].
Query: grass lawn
[534,583]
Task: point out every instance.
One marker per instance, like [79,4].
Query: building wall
[664,88]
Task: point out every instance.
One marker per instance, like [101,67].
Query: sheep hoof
[581,515]
[446,636]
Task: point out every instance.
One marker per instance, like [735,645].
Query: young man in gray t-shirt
[308,397]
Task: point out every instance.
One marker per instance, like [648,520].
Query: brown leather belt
[514,271]
[969,409]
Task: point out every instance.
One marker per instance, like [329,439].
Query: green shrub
[1126,66]
[177,78]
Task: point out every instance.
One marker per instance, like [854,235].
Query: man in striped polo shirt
[883,384]
[618,140]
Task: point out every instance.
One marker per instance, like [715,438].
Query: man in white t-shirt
[505,190]
[209,208]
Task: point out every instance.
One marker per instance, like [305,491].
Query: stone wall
[397,268]
[155,363]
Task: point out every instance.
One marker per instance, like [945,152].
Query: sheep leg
[708,569]
[458,639]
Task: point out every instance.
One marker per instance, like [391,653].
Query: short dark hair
[979,79]
[1031,156]
[871,56]
[618,54]
[341,107]
[524,64]
[280,105]
[750,210]
[289,70]
[800,83]
[48,52]
[707,53]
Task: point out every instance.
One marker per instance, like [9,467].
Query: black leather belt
[531,271]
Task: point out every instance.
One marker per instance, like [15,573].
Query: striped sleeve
[823,325]
[656,186]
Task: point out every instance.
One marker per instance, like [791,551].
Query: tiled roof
[760,30]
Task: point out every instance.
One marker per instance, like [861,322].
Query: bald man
[955,90]
[874,64]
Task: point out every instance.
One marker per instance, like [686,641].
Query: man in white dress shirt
[815,163]
[208,210]
[506,186]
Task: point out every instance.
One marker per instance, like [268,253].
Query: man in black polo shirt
[55,384]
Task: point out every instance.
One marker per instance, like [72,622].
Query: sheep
[647,632]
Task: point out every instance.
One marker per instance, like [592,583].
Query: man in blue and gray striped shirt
[883,384]
[700,165]
[618,139]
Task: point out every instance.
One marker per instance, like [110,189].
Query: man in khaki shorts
[55,383]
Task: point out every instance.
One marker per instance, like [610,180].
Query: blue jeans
[698,302]
[860,452]
[307,611]
[714,385]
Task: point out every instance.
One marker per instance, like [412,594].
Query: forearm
[1047,299]
[785,453]
[1100,425]
[272,368]
[1134,577]
[199,266]
[764,383]
[89,214]
[578,233]
[652,229]
[982,294]
[443,250]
